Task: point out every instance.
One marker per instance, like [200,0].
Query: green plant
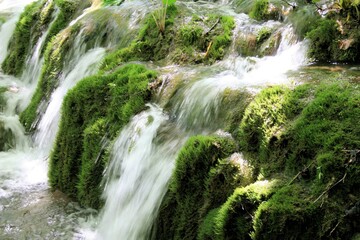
[160,15]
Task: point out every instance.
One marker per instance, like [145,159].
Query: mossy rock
[181,206]
[287,215]
[233,219]
[93,113]
[101,24]
[7,138]
[265,121]
[68,11]
[179,43]
[264,42]
[33,20]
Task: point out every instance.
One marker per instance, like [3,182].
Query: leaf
[168,2]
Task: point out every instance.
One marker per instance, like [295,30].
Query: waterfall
[140,167]
[137,177]
[84,64]
[14,9]
[143,156]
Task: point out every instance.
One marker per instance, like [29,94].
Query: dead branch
[322,194]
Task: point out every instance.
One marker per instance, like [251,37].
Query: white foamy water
[140,169]
[13,8]
[136,178]
[85,65]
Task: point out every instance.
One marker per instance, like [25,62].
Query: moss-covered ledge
[182,207]
[299,143]
[93,112]
[29,28]
[196,40]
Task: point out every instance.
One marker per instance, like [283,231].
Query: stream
[144,153]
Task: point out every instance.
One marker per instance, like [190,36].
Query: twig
[213,26]
[208,49]
[322,194]
[334,228]
[297,175]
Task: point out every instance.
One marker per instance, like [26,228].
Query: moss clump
[93,31]
[55,57]
[68,10]
[97,107]
[303,136]
[187,43]
[260,10]
[287,215]
[7,138]
[264,43]
[233,105]
[233,220]
[321,40]
[181,206]
[265,121]
[33,20]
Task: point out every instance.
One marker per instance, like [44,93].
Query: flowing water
[143,155]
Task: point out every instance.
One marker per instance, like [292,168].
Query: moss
[96,105]
[304,19]
[93,163]
[233,105]
[7,138]
[150,44]
[32,21]
[287,215]
[321,40]
[260,10]
[221,40]
[326,127]
[265,120]
[55,57]
[186,43]
[246,45]
[68,9]
[234,220]
[180,208]
[61,50]
[263,34]
[2,98]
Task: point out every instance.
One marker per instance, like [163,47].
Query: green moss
[263,34]
[233,105]
[96,108]
[234,219]
[260,10]
[2,98]
[187,43]
[93,163]
[287,215]
[112,2]
[55,56]
[221,40]
[68,9]
[35,17]
[263,127]
[321,40]
[304,19]
[60,51]
[181,205]
[7,138]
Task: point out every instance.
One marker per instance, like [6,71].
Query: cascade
[12,10]
[142,159]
